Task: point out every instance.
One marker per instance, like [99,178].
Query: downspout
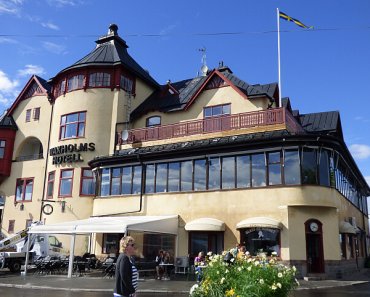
[141,195]
[47,156]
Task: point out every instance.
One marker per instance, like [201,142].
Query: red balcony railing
[214,124]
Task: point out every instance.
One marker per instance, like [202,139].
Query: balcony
[257,121]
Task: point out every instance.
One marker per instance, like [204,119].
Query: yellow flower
[230,292]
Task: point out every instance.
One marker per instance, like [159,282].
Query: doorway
[314,247]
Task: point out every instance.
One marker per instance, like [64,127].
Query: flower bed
[241,276]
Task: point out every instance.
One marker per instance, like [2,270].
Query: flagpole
[278,31]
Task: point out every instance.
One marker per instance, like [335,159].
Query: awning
[259,222]
[345,227]
[205,224]
[158,224]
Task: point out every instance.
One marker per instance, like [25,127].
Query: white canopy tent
[158,224]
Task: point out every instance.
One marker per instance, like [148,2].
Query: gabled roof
[36,86]
[327,123]
[7,122]
[111,50]
[189,89]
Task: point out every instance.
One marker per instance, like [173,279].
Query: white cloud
[53,47]
[62,3]
[360,151]
[31,70]
[7,40]
[4,101]
[10,7]
[7,86]
[50,25]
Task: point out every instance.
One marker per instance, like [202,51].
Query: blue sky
[323,69]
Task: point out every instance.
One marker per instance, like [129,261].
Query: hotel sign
[70,153]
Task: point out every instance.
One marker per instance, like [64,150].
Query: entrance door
[314,247]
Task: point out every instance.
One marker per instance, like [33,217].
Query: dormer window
[99,79]
[153,121]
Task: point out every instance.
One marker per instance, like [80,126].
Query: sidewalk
[178,286]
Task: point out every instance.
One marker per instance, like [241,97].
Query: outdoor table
[165,267]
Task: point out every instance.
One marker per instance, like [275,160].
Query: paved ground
[180,285]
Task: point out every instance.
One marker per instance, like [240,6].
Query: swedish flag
[290,19]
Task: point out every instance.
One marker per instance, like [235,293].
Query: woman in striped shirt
[126,272]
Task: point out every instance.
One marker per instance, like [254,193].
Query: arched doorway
[314,246]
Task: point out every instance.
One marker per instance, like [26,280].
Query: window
[324,169]
[149,178]
[274,168]
[186,173]
[174,177]
[243,171]
[153,121]
[2,148]
[111,243]
[115,181]
[65,182]
[72,125]
[24,189]
[75,82]
[206,241]
[228,172]
[292,174]
[217,110]
[11,226]
[127,84]
[161,178]
[105,182]
[309,166]
[28,115]
[214,173]
[99,79]
[261,240]
[50,189]
[258,170]
[87,182]
[200,170]
[36,113]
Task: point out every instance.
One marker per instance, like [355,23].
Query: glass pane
[116,183]
[199,175]
[324,168]
[126,180]
[214,173]
[309,166]
[63,120]
[62,132]
[105,182]
[217,110]
[258,170]
[243,171]
[154,121]
[73,117]
[71,130]
[292,174]
[149,180]
[198,243]
[207,112]
[67,173]
[87,173]
[228,172]
[65,187]
[226,109]
[88,187]
[264,240]
[19,190]
[174,177]
[274,168]
[186,175]
[136,180]
[82,116]
[161,178]
[81,130]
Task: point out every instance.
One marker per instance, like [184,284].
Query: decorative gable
[215,82]
[33,90]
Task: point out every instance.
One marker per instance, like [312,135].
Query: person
[241,251]
[159,260]
[126,278]
[199,262]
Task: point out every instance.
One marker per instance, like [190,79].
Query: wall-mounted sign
[70,153]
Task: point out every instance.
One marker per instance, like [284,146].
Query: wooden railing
[214,124]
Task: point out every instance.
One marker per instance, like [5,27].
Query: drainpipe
[47,157]
[141,194]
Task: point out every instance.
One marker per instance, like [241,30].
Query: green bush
[245,276]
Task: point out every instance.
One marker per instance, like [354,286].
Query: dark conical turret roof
[111,50]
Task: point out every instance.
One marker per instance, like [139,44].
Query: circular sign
[47,209]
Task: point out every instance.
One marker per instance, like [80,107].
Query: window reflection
[258,170]
[261,240]
[228,172]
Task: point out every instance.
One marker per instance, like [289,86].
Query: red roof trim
[201,88]
[25,89]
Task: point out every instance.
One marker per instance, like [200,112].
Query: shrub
[245,276]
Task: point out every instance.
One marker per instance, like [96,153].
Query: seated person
[241,251]
[199,261]
[159,260]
